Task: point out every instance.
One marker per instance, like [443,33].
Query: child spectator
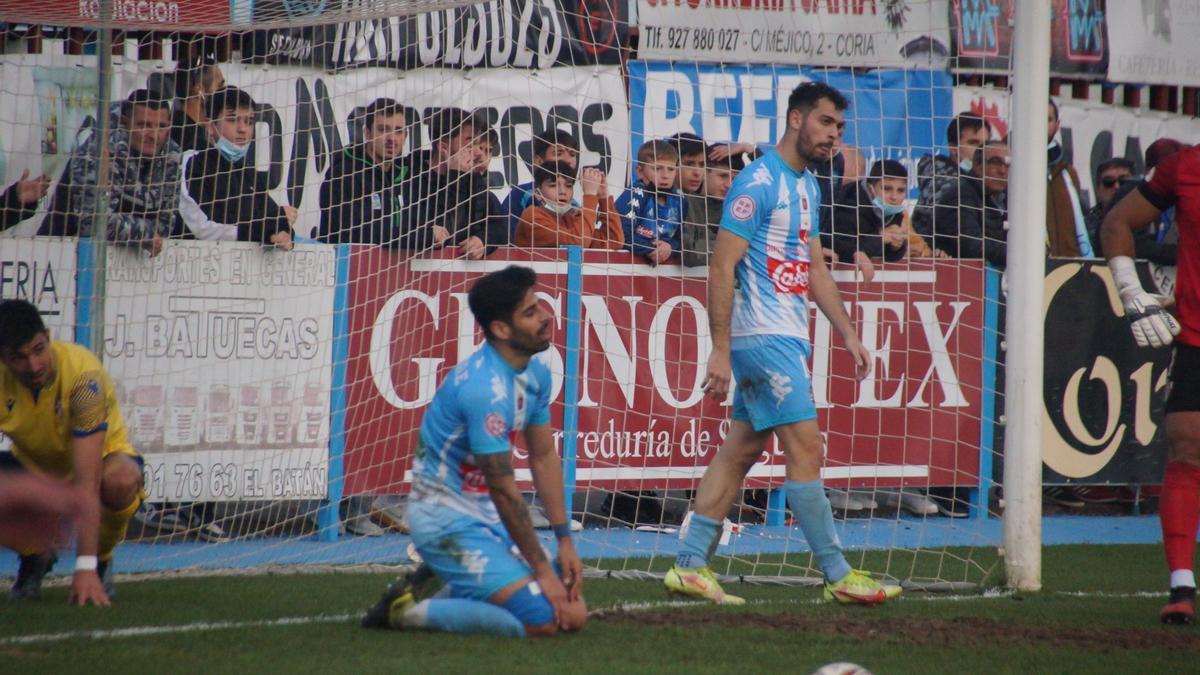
[869,215]
[652,211]
[553,145]
[704,210]
[554,219]
[690,147]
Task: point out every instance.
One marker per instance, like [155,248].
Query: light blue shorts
[773,384]
[476,558]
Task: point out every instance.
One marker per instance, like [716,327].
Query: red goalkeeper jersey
[1175,181]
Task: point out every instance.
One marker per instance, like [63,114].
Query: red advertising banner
[138,14]
[643,422]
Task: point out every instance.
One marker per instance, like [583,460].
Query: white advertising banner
[305,113]
[41,271]
[1154,42]
[221,355]
[863,33]
[1091,132]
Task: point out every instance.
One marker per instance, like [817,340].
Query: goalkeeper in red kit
[1174,183]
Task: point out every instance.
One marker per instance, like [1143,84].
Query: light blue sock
[699,542]
[463,616]
[811,508]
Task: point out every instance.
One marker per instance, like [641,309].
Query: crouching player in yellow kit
[58,406]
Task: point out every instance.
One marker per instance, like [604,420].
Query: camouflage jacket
[143,197]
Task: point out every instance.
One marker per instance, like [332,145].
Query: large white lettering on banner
[868,33]
[305,116]
[41,271]
[1156,42]
[221,356]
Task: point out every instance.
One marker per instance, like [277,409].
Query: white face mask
[553,207]
[965,166]
[230,150]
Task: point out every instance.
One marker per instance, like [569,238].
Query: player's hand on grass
[862,357]
[86,589]
[718,375]
[572,569]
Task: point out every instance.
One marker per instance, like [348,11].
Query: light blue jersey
[777,210]
[475,412]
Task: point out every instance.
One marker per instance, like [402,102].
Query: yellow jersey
[79,401]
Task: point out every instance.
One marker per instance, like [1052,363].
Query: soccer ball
[841,668]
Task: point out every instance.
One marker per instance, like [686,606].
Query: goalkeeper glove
[1153,326]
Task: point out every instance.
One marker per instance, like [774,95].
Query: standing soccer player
[465,511]
[60,410]
[1172,183]
[767,261]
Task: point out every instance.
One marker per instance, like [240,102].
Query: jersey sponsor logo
[789,276]
[646,232]
[495,425]
[742,207]
[472,478]
[762,176]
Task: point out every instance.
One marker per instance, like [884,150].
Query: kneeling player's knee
[120,483]
[532,609]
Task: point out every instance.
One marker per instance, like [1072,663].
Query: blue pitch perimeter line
[619,543]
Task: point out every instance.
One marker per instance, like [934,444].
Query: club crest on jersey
[789,276]
[742,208]
[495,425]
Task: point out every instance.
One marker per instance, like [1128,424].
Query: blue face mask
[965,166]
[230,150]
[888,210]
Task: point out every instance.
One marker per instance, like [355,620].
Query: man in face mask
[223,196]
[966,133]
[1066,229]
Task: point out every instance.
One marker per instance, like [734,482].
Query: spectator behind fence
[487,148]
[704,210]
[447,209]
[20,200]
[1110,176]
[690,178]
[869,215]
[652,211]
[143,175]
[1066,229]
[553,145]
[223,196]
[362,201]
[969,217]
[193,84]
[554,219]
[966,133]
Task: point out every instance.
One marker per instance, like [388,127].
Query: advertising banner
[896,114]
[306,115]
[1104,396]
[132,14]
[643,421]
[496,34]
[1156,43]
[841,34]
[981,32]
[221,356]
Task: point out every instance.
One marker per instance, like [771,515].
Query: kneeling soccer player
[767,261]
[465,511]
[60,410]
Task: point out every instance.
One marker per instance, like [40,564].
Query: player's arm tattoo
[514,513]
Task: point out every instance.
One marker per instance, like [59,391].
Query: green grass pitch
[1097,614]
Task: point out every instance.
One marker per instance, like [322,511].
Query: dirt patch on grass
[958,631]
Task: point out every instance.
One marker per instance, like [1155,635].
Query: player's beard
[812,153]
[529,343]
